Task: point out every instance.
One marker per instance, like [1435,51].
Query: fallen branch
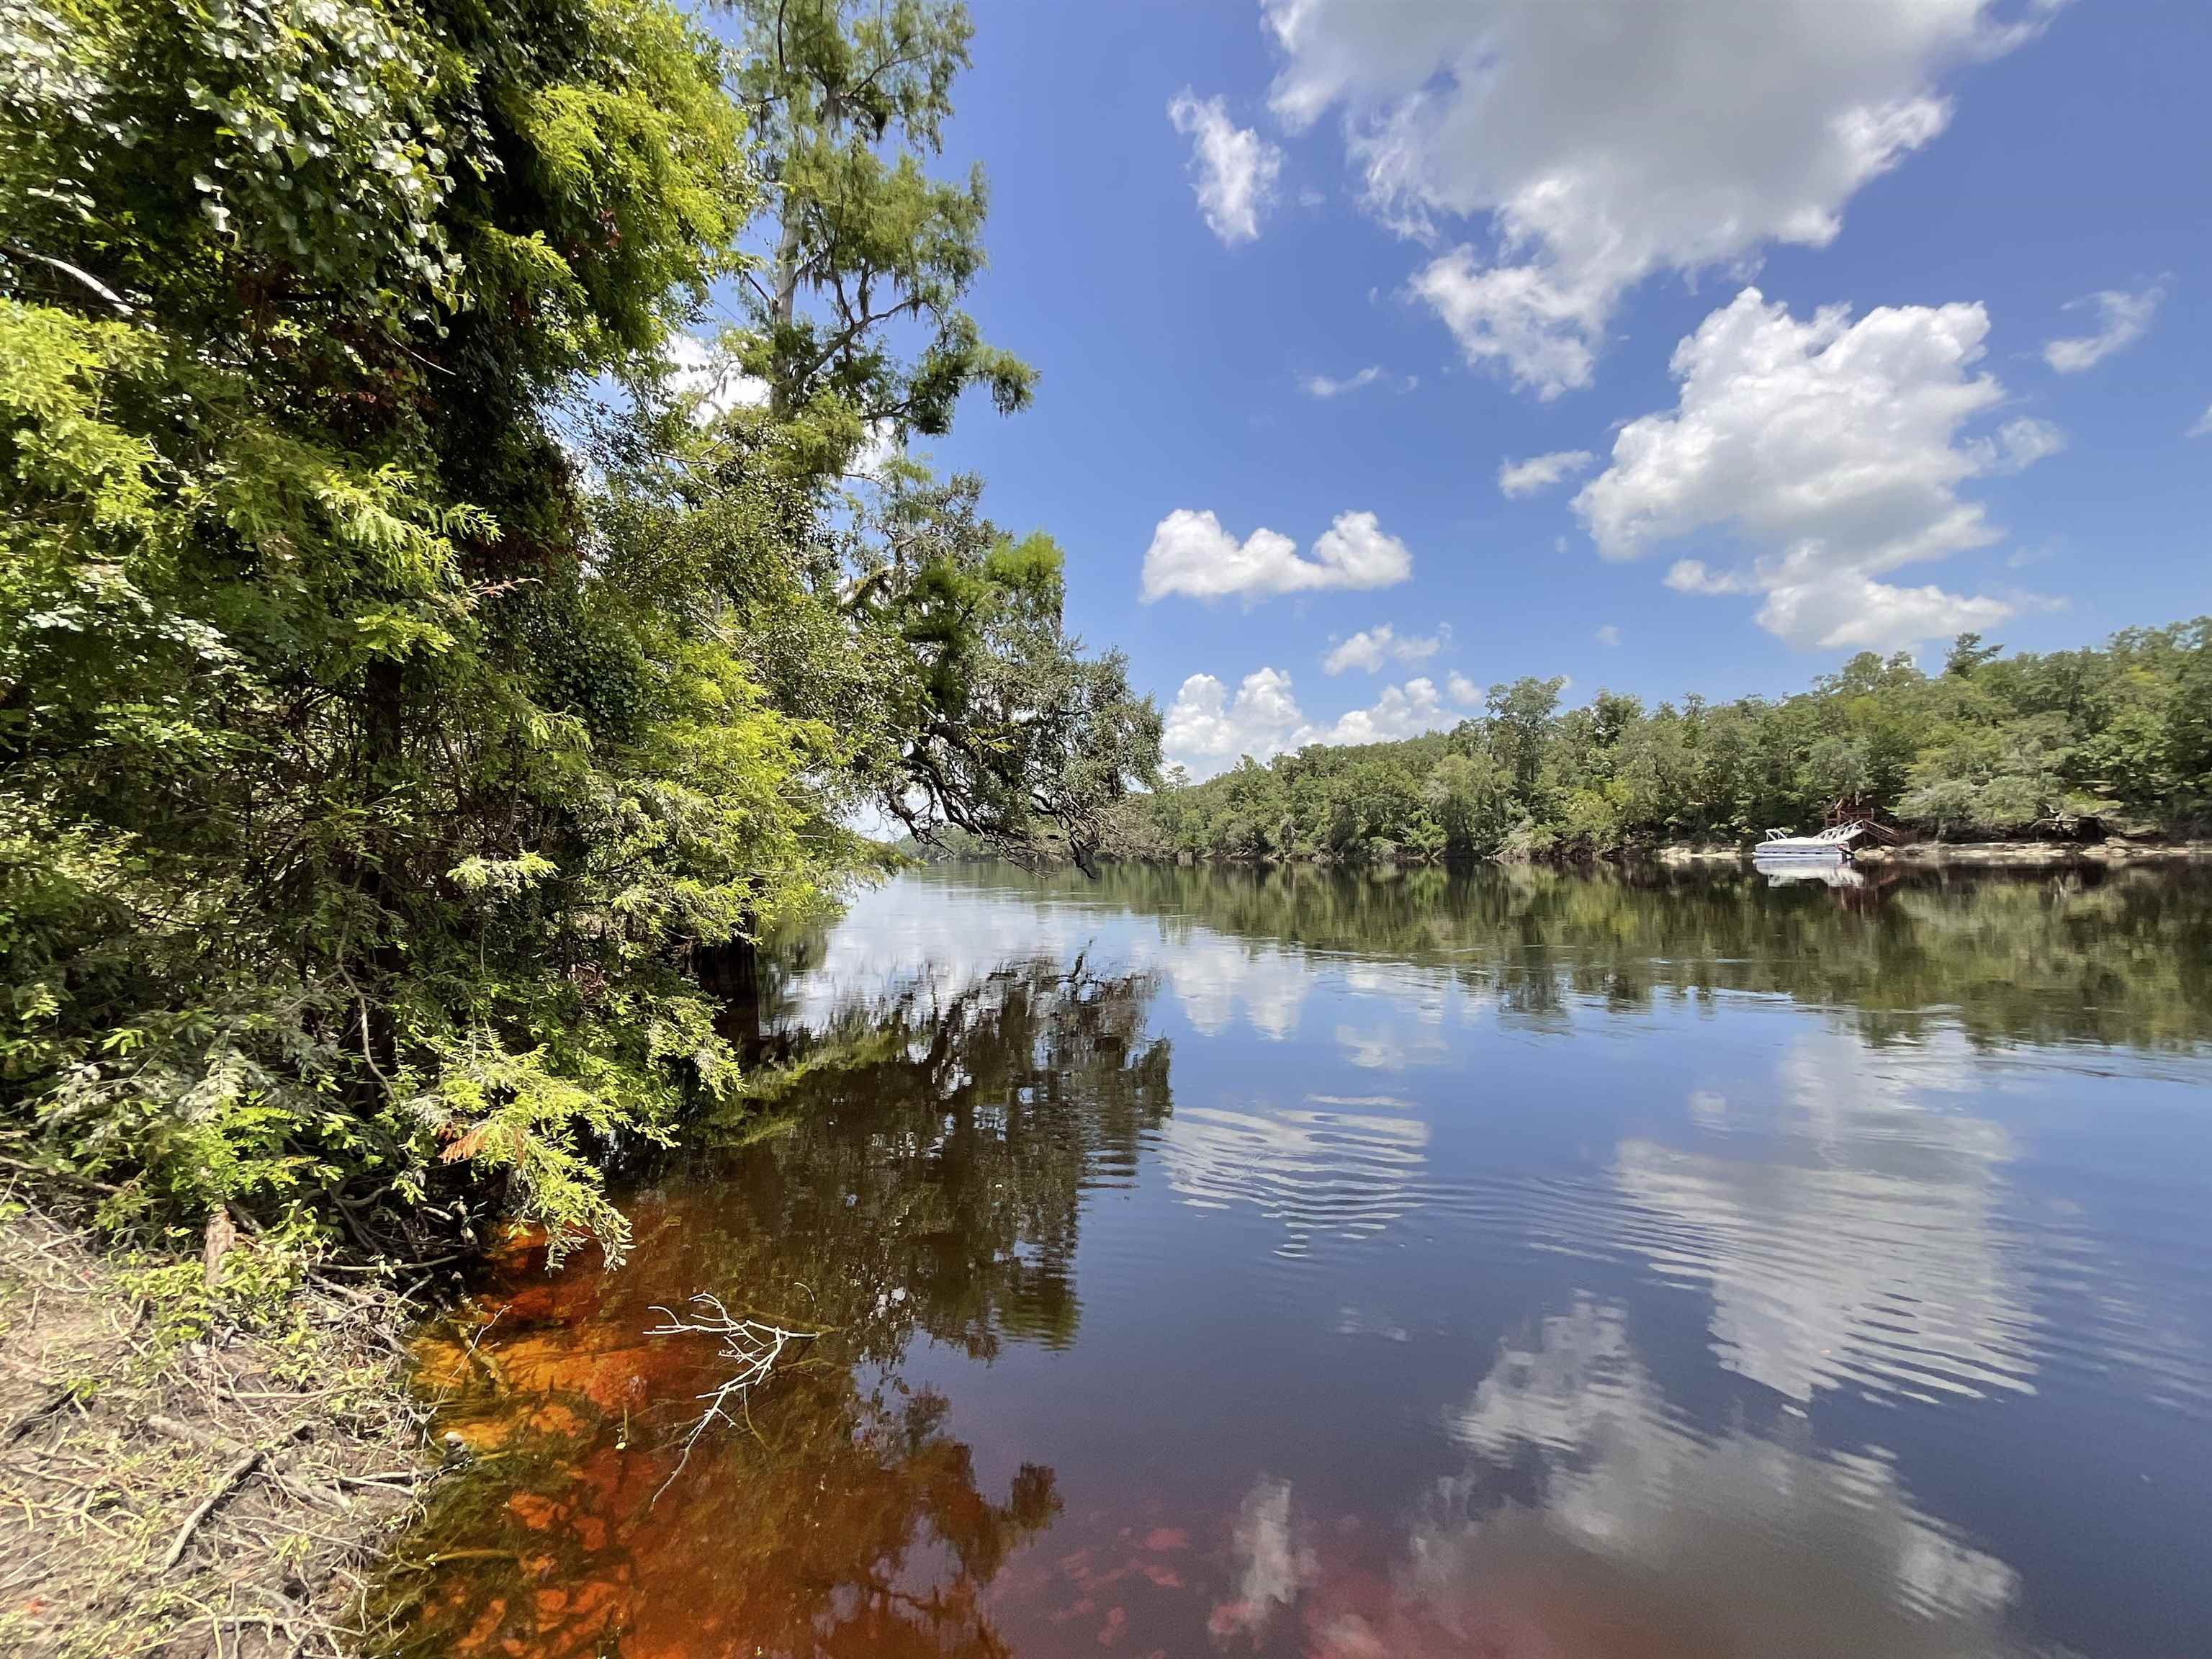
[753,1344]
[229,1477]
[188,1433]
[226,1483]
[384,1478]
[55,1400]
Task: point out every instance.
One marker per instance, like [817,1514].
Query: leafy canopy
[406,686]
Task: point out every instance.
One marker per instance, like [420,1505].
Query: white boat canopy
[1834,841]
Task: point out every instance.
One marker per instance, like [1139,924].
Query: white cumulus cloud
[2122,320]
[1834,450]
[1191,555]
[1206,728]
[2203,427]
[1595,143]
[1463,691]
[1371,648]
[703,371]
[1540,472]
[1364,650]
[1233,169]
[1608,635]
[1402,711]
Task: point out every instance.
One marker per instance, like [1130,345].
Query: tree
[1968,654]
[1001,728]
[1520,722]
[323,849]
[967,703]
[403,687]
[846,98]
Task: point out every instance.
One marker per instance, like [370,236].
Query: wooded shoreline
[2112,853]
[2069,748]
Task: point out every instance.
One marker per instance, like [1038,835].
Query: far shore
[2110,853]
[1977,854]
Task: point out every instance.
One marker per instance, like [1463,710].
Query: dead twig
[38,1413]
[752,1344]
[225,1484]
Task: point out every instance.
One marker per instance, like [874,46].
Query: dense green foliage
[404,676]
[2062,744]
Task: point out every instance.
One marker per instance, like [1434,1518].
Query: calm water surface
[1516,1264]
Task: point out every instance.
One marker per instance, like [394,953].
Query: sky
[1392,348]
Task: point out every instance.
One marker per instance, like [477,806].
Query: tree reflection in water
[2070,956]
[1760,1272]
[923,1175]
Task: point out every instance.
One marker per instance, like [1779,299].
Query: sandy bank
[2035,854]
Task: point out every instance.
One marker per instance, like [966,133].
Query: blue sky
[1782,280]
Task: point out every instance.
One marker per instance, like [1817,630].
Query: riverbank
[197,1457]
[2033,854]
[1973,855]
[1732,855]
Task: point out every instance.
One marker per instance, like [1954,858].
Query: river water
[1221,1262]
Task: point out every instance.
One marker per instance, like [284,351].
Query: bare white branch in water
[752,1345]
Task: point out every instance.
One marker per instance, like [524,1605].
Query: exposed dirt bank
[1977,854]
[2035,854]
[1721,853]
[171,1485]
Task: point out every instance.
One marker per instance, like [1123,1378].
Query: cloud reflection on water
[1334,1166]
[1594,1521]
[1213,977]
[1857,1236]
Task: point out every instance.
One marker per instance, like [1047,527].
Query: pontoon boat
[1831,846]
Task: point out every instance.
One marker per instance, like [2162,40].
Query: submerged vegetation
[427,663]
[2066,744]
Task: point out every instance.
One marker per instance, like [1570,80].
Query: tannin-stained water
[1514,1264]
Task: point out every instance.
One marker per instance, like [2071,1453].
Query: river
[1287,1263]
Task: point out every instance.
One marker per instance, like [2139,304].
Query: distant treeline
[2067,744]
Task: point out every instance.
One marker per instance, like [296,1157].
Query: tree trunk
[383,718]
[731,972]
[786,263]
